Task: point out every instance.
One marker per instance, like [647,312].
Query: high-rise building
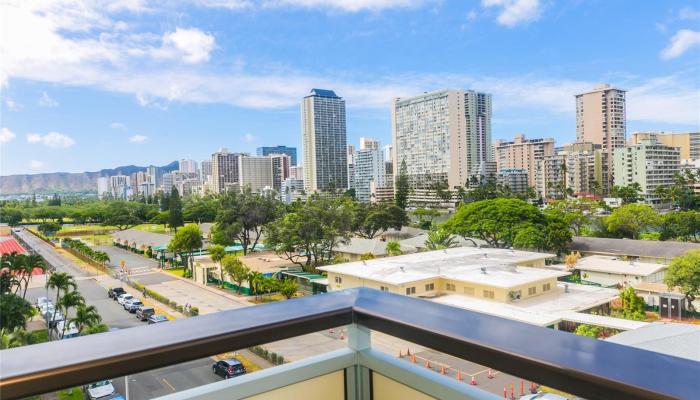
[117,187]
[687,142]
[351,166]
[224,170]
[324,141]
[280,169]
[368,143]
[551,176]
[648,163]
[517,179]
[255,172]
[442,136]
[296,172]
[523,153]
[154,175]
[368,168]
[584,168]
[205,170]
[103,187]
[600,119]
[292,189]
[188,167]
[267,150]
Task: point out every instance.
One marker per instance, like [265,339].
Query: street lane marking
[169,385]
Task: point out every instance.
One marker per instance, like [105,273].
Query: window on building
[384,288]
[450,287]
[338,279]
[469,291]
[410,290]
[489,294]
[429,287]
[532,290]
[546,287]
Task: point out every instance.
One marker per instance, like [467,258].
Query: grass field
[71,394]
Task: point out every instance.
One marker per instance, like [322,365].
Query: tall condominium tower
[368,170]
[224,170]
[523,153]
[188,166]
[267,150]
[650,164]
[280,169]
[442,136]
[324,141]
[600,119]
[687,142]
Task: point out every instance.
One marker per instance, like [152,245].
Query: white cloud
[46,101]
[36,164]
[6,135]
[11,104]
[682,41]
[668,99]
[191,45]
[688,13]
[117,125]
[52,139]
[336,5]
[138,138]
[248,138]
[515,12]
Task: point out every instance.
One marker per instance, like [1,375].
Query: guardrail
[589,368]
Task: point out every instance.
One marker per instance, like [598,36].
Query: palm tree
[31,262]
[255,282]
[439,239]
[60,281]
[217,253]
[393,248]
[85,316]
[70,300]
[15,338]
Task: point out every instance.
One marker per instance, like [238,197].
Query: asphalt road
[142,386]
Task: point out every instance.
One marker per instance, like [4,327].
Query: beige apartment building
[500,275]
[650,164]
[255,172]
[584,168]
[552,176]
[600,119]
[523,153]
[687,142]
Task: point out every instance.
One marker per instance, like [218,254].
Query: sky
[93,84]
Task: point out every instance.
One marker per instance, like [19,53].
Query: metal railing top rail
[589,368]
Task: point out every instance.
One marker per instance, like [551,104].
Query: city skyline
[196,90]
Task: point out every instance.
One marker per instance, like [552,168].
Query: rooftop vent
[483,270]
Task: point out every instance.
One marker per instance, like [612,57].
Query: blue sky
[95,84]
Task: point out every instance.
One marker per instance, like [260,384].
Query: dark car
[228,368]
[144,312]
[157,318]
[113,293]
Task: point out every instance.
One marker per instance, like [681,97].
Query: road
[142,386]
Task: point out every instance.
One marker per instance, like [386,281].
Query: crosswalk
[135,271]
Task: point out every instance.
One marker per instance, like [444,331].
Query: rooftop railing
[586,367]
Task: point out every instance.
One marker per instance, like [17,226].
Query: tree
[60,281]
[70,300]
[186,241]
[10,338]
[571,259]
[243,217]
[200,209]
[255,280]
[288,288]
[30,262]
[401,193]
[10,216]
[175,219]
[308,233]
[97,328]
[630,220]
[683,225]
[234,268]
[439,239]
[588,330]
[629,194]
[632,305]
[501,221]
[575,212]
[426,216]
[14,311]
[217,253]
[85,316]
[684,273]
[122,214]
[372,218]
[49,228]
[393,248]
[161,218]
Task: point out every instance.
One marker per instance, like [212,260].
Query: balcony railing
[589,368]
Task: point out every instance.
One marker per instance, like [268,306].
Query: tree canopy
[684,272]
[370,219]
[175,219]
[243,217]
[401,193]
[630,220]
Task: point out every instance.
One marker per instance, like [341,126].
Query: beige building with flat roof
[600,119]
[687,142]
[501,275]
[522,153]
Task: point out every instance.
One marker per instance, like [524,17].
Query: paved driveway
[135,263]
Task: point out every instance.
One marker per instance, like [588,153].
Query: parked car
[133,305]
[124,297]
[144,312]
[70,332]
[113,293]
[53,318]
[228,368]
[157,318]
[99,390]
[41,301]
[46,307]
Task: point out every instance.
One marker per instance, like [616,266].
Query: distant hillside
[66,182]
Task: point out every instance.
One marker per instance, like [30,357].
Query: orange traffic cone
[427,364]
[473,382]
[413,358]
[490,375]
[442,370]
[459,375]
